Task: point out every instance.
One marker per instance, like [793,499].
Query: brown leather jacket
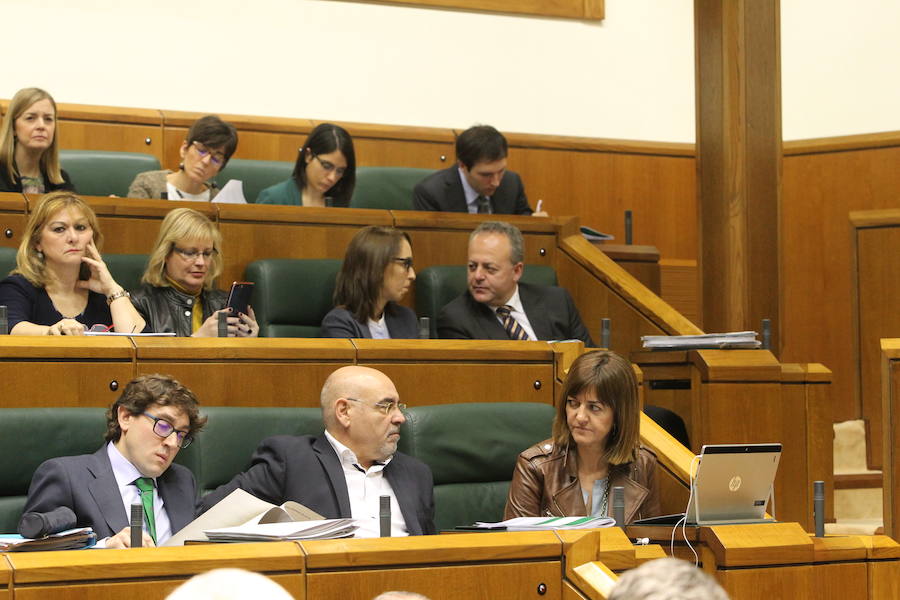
[545,482]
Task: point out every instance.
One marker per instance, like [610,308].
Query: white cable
[683,520]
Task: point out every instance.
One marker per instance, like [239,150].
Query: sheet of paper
[235,509]
[231,193]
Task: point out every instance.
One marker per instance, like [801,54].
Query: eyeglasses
[330,166]
[216,158]
[385,407]
[164,429]
[406,262]
[193,253]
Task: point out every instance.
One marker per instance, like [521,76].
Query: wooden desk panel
[452,371]
[890,434]
[63,371]
[765,584]
[12,219]
[246,372]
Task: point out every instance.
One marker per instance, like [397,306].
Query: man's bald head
[360,408]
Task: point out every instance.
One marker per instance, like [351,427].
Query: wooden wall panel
[819,191]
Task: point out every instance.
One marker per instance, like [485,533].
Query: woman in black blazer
[377,272]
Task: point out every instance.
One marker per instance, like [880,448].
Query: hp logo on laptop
[735,483]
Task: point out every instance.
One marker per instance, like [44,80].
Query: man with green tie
[152,420]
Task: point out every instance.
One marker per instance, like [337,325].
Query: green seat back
[292,296]
[126,269]
[386,187]
[224,447]
[438,285]
[7,260]
[101,173]
[28,437]
[472,450]
[255,175]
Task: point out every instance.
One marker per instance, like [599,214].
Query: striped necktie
[512,327]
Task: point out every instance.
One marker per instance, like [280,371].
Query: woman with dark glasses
[377,272]
[324,174]
[178,294]
[209,144]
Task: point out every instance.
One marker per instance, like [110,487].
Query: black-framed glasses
[193,253]
[164,429]
[406,262]
[216,158]
[330,166]
[385,407]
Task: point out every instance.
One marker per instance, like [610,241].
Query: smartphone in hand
[239,297]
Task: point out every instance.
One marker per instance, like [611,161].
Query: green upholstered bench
[7,260]
[255,175]
[126,269]
[28,437]
[472,450]
[438,285]
[292,295]
[386,188]
[101,173]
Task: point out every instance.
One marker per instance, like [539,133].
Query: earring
[181,166]
[40,256]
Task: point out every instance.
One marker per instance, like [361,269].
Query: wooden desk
[12,220]
[746,396]
[890,434]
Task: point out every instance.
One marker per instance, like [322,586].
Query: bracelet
[120,294]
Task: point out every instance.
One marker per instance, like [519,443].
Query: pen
[540,204]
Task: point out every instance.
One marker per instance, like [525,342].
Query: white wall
[840,67]
[630,76]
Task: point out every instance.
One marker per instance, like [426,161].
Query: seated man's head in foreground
[151,421]
[361,409]
[229,584]
[667,579]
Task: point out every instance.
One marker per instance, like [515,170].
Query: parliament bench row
[292,296]
[102,173]
[472,466]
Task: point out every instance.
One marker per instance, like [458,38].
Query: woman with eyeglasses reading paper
[60,285]
[377,272]
[209,144]
[177,295]
[324,174]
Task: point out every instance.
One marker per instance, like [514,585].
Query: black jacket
[166,310]
[16,186]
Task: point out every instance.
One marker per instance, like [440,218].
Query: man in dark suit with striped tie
[496,306]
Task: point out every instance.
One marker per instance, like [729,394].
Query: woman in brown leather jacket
[595,447]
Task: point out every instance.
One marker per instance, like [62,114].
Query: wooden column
[738,79]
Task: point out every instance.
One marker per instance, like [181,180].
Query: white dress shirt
[378,329]
[125,474]
[517,313]
[365,487]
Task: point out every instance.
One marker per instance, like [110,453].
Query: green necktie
[145,484]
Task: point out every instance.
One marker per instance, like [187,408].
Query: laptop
[733,485]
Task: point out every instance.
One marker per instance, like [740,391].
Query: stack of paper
[293,530]
[71,539]
[543,523]
[735,339]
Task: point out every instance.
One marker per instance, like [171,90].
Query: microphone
[819,507]
[384,515]
[222,324]
[619,505]
[37,525]
[137,525]
[4,323]
[424,328]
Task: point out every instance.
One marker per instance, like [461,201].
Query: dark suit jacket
[87,485]
[400,320]
[550,311]
[443,191]
[307,470]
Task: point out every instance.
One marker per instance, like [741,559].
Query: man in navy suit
[146,427]
[479,182]
[497,306]
[344,472]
